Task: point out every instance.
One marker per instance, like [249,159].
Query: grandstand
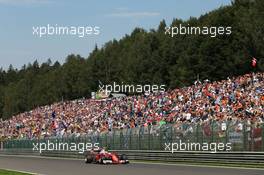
[238,99]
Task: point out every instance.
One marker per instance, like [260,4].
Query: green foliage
[5,172]
[144,57]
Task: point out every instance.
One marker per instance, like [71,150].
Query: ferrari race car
[97,156]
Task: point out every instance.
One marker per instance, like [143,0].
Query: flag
[254,62]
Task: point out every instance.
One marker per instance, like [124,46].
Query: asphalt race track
[51,166]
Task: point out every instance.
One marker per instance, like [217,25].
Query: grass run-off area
[5,172]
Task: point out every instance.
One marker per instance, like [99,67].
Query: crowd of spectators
[238,98]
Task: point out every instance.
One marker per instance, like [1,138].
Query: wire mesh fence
[242,136]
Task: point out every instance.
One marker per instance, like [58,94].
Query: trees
[144,57]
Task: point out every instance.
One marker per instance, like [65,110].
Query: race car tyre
[123,157]
[89,159]
[101,161]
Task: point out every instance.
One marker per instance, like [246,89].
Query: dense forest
[144,57]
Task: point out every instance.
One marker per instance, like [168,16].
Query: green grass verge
[5,172]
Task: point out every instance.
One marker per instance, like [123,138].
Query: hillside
[144,57]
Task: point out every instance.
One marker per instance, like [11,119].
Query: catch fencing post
[1,145]
[212,128]
[139,138]
[197,134]
[129,137]
[245,136]
[262,136]
[172,131]
[149,137]
[113,140]
[121,143]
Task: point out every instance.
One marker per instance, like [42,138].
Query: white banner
[235,137]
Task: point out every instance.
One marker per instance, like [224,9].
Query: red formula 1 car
[96,156]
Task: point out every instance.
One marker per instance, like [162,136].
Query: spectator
[240,98]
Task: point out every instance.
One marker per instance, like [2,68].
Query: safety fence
[242,136]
